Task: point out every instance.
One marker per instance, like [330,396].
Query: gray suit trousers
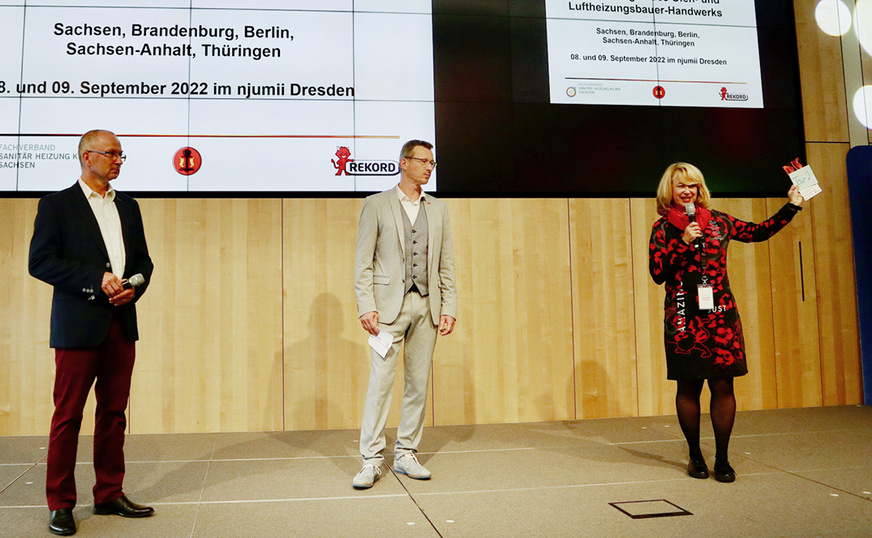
[415,326]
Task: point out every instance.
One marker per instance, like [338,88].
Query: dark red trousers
[111,365]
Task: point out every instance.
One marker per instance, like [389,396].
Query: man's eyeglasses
[111,154]
[423,161]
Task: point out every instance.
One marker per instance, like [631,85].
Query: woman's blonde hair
[681,173]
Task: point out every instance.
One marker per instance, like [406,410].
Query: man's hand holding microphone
[120,291]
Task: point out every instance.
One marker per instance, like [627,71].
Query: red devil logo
[343,154]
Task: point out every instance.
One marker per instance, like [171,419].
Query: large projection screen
[267,93]
[315,97]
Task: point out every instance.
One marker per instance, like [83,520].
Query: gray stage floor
[801,472]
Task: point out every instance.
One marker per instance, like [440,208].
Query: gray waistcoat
[416,250]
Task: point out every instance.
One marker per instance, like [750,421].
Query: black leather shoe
[723,471]
[61,522]
[697,468]
[124,507]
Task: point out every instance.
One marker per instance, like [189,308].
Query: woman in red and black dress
[706,343]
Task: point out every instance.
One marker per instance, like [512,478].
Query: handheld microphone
[132,282]
[690,209]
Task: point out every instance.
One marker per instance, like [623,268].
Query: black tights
[723,413]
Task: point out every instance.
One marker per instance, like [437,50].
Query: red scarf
[677,216]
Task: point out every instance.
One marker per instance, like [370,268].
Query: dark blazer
[68,252]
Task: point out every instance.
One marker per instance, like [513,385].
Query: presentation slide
[216,95]
[700,53]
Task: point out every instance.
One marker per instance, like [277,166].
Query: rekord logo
[727,96]
[344,164]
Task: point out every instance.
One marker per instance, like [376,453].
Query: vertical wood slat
[209,358]
[26,361]
[867,81]
[749,270]
[326,368]
[826,112]
[656,393]
[794,303]
[602,308]
[824,102]
[510,358]
[838,318]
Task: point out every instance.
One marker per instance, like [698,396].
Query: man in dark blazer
[88,240]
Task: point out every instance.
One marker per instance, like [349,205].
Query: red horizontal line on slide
[655,80]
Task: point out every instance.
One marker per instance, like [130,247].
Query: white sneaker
[409,466]
[367,476]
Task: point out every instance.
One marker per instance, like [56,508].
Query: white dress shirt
[409,206]
[110,226]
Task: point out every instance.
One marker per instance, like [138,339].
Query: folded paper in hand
[803,178]
[381,343]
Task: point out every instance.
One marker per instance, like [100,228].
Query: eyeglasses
[423,161]
[111,154]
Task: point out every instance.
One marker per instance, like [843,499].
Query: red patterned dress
[704,344]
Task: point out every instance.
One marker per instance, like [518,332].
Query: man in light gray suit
[404,284]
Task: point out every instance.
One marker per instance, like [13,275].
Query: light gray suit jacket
[379,261]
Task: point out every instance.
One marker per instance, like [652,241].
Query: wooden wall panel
[834,273]
[867,81]
[824,102]
[26,361]
[602,308]
[209,358]
[327,359]
[748,266]
[250,321]
[794,303]
[510,358]
[656,394]
[826,113]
